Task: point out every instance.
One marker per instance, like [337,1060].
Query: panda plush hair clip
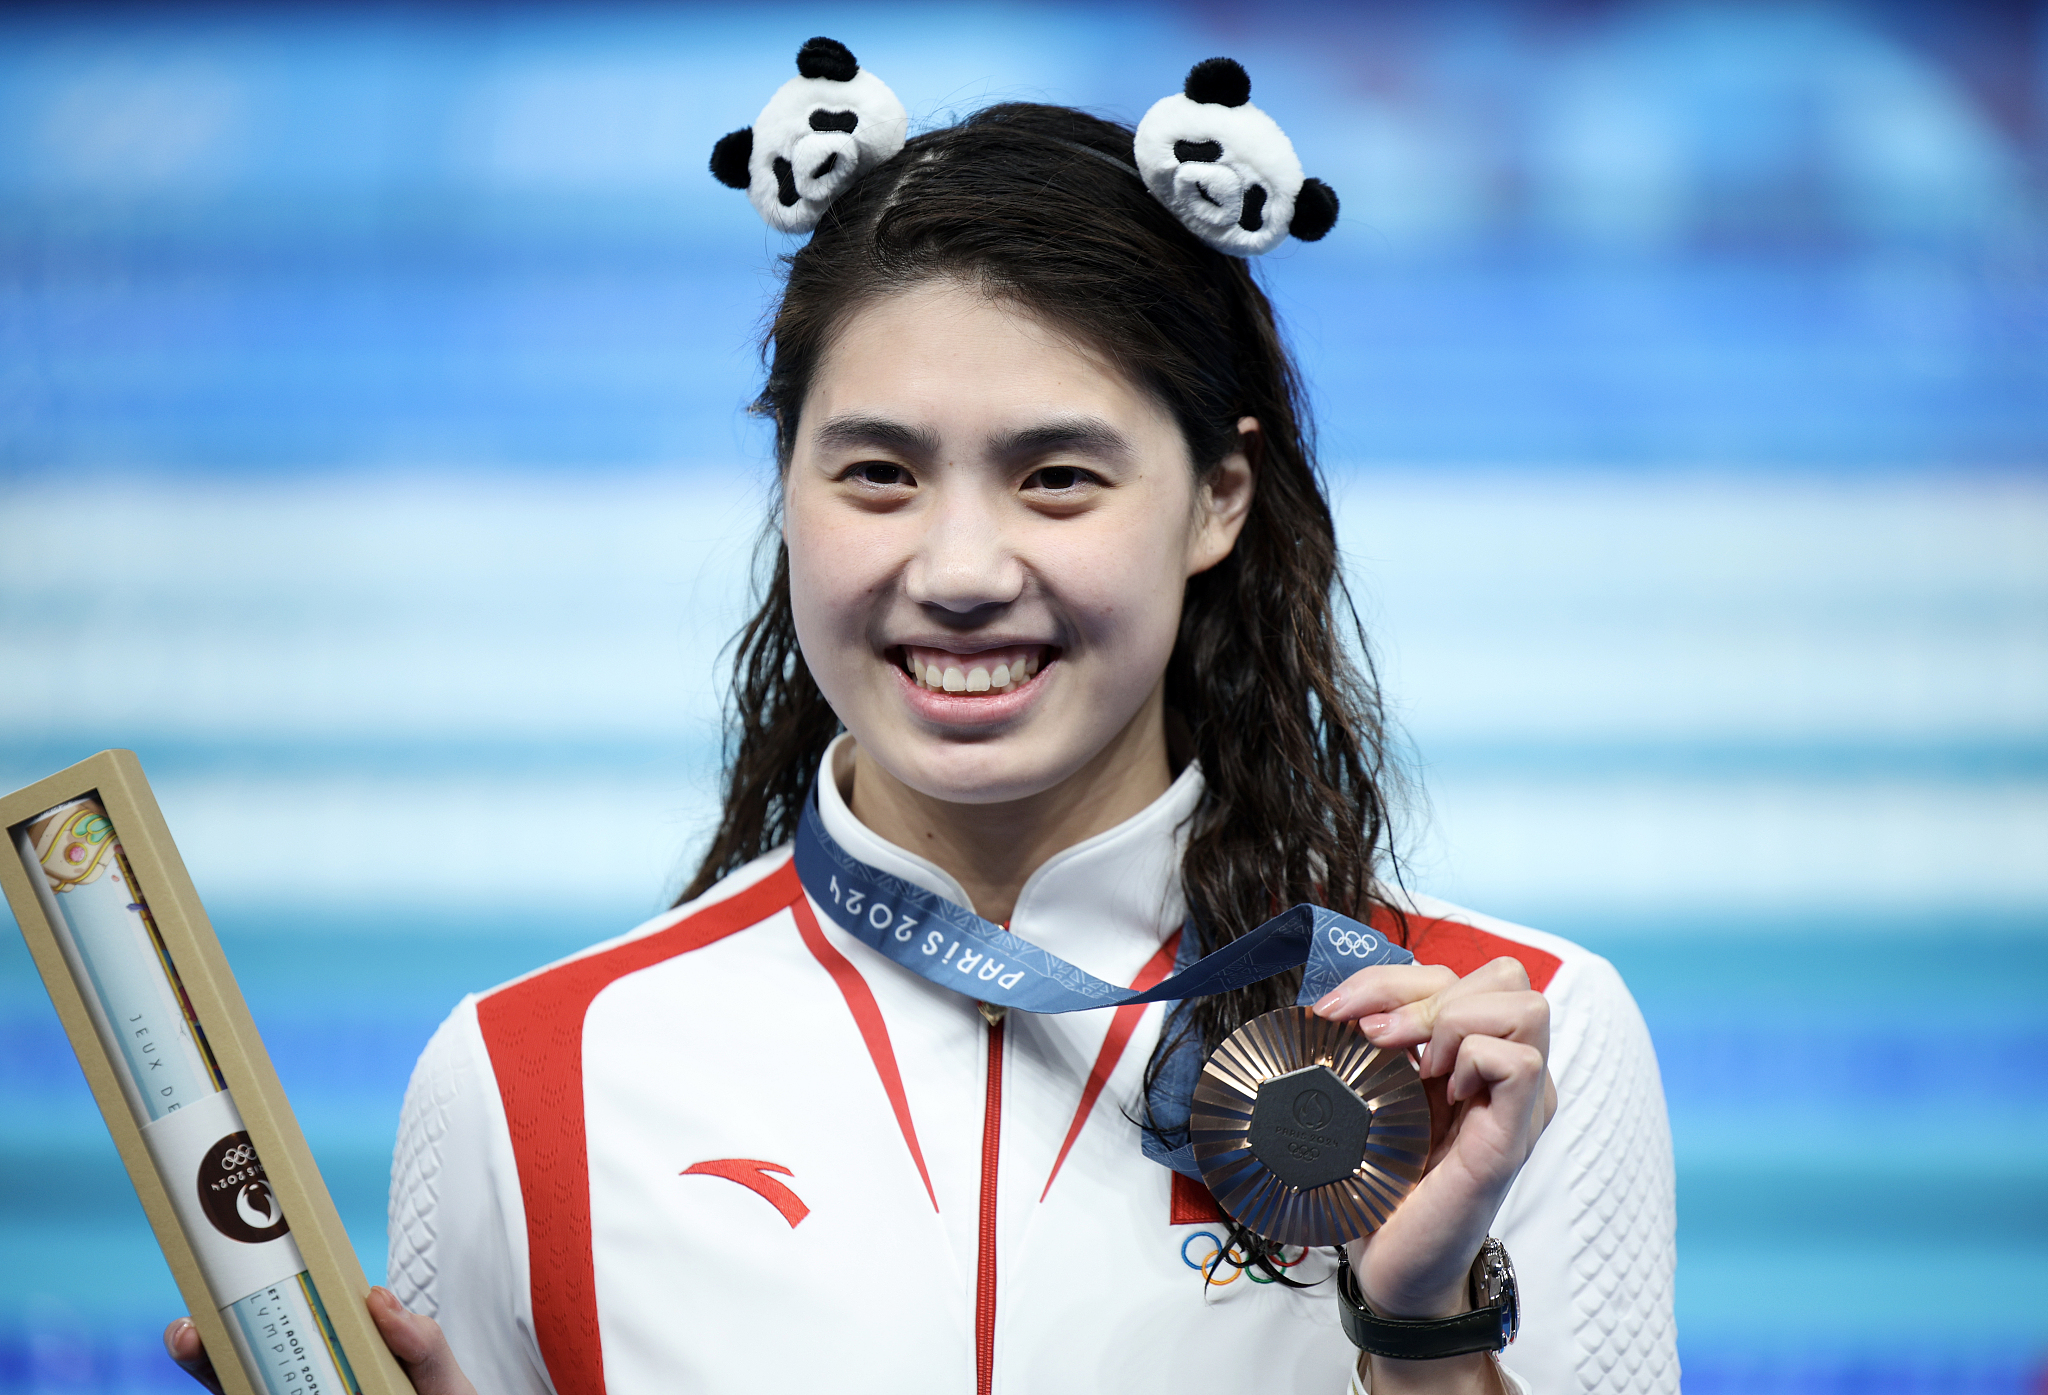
[822,130]
[1226,169]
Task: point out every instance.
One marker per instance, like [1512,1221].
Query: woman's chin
[999,771]
[995,769]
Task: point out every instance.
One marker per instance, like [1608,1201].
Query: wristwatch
[1495,1317]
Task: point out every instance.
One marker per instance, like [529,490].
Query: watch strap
[1416,1339]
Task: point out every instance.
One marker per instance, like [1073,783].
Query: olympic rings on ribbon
[1356,943]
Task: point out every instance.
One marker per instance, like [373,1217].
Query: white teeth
[966,677]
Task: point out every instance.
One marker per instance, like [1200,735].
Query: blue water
[252,359]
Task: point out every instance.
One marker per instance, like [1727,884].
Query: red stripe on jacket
[874,1032]
[1462,948]
[1119,1036]
[533,1031]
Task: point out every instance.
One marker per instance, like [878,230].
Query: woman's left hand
[1484,1042]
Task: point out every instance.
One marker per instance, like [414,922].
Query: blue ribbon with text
[954,947]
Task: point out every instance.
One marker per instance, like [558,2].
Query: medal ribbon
[952,946]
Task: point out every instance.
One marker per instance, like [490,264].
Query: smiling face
[989,532]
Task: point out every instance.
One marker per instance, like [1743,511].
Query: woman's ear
[1224,499]
[784,458]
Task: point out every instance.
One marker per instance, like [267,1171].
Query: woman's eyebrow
[1082,436]
[878,433]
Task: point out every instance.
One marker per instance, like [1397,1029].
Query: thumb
[419,1345]
[181,1339]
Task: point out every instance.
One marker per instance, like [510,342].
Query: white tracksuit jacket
[737,1150]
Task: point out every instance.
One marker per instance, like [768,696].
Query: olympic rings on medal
[1355,943]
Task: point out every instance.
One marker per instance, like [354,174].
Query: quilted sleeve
[457,1234]
[1591,1223]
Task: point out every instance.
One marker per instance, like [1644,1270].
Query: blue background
[373,461]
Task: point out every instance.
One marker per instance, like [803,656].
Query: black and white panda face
[1226,169]
[822,130]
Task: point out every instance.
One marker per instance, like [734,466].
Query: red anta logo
[752,1174]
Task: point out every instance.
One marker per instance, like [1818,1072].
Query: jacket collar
[1106,904]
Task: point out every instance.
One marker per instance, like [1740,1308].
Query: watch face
[1493,1285]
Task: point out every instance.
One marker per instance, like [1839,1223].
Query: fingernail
[1378,1022]
[1330,1002]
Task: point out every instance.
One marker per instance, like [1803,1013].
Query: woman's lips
[965,691]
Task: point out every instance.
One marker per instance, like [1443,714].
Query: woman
[1054,633]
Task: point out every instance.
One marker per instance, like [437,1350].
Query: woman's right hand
[416,1341]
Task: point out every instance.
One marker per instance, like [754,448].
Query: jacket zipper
[985,1269]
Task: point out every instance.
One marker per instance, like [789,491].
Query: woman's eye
[881,473]
[1058,479]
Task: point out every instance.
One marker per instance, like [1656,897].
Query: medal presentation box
[187,1090]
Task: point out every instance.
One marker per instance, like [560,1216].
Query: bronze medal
[1306,1132]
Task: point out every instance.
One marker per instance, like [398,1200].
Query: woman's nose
[963,560]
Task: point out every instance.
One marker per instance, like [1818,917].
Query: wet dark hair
[1020,201]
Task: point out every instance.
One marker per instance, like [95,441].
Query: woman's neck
[992,849]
